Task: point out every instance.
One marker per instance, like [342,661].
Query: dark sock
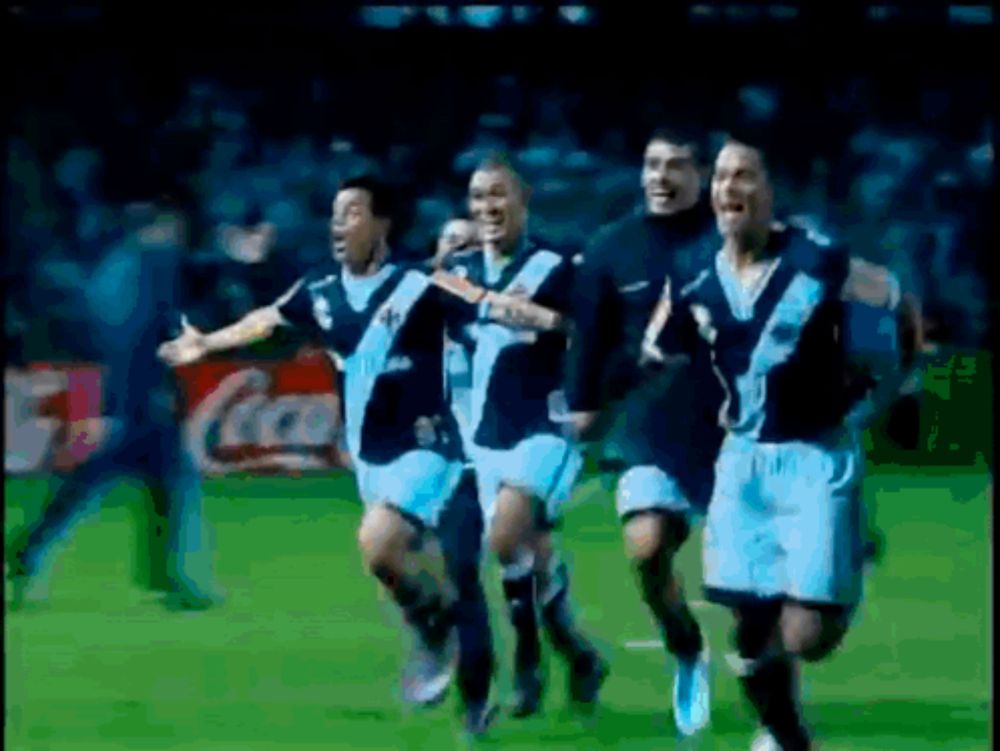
[520,596]
[475,648]
[771,689]
[557,617]
[427,614]
[680,630]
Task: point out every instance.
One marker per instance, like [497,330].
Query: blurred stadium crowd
[902,174]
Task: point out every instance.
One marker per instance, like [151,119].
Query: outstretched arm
[193,345]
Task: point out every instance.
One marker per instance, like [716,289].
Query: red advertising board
[242,416]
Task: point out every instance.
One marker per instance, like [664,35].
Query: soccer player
[384,325]
[133,306]
[665,437]
[525,465]
[805,342]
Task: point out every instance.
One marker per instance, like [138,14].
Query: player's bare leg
[652,539]
[409,564]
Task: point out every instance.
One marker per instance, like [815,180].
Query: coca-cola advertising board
[241,417]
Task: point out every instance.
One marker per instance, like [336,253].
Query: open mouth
[732,209]
[663,194]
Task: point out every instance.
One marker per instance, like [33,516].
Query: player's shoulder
[410,267]
[565,252]
[699,284]
[321,275]
[809,251]
[611,237]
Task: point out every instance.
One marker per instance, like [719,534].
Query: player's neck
[501,251]
[747,248]
[376,260]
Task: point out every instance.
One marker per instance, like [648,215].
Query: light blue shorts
[785,520]
[649,487]
[544,466]
[418,483]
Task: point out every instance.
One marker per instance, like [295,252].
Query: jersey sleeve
[296,306]
[557,293]
[875,333]
[591,341]
[871,297]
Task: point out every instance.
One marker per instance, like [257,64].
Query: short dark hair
[771,155]
[680,136]
[384,201]
[497,160]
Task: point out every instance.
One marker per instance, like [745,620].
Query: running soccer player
[525,465]
[805,342]
[132,304]
[384,326]
[664,437]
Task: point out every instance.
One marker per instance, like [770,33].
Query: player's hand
[582,424]
[181,352]
[187,348]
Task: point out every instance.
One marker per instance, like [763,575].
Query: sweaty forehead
[739,156]
[666,151]
[487,179]
[352,197]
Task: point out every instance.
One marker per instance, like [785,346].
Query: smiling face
[742,197]
[498,206]
[669,178]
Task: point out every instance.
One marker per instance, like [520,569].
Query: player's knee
[803,631]
[511,525]
[833,629]
[384,537]
[643,538]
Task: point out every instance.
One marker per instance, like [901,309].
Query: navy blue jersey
[618,284]
[783,348]
[134,308]
[517,375]
[386,334]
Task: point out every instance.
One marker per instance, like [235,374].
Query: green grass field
[305,655]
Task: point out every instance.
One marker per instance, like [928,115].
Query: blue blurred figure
[130,307]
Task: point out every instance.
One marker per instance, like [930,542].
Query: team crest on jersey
[321,310]
[390,318]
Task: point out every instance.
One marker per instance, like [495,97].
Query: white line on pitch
[658,643]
